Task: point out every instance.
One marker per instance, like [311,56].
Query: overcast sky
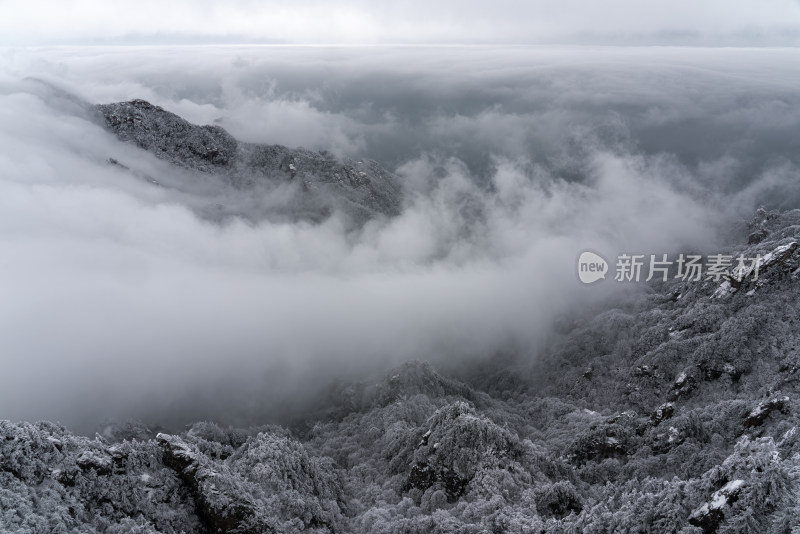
[684,22]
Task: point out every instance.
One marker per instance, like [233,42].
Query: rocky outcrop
[220,512]
[759,414]
[711,514]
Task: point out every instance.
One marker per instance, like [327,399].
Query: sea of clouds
[119,298]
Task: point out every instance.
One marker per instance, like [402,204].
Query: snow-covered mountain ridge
[320,182]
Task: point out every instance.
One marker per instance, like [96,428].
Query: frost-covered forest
[673,411]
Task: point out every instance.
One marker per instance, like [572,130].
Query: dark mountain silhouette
[321,182]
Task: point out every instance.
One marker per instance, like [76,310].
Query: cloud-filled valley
[121,297]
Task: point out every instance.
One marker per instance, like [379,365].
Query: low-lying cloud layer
[118,299]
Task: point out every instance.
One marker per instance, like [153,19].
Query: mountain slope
[321,183]
[676,412]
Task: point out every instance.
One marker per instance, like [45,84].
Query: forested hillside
[675,410]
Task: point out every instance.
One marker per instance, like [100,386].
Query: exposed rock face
[665,411]
[710,515]
[270,484]
[760,413]
[323,183]
[220,513]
